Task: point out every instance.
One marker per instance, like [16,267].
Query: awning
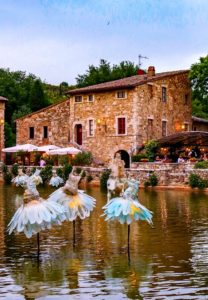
[23,148]
[185,138]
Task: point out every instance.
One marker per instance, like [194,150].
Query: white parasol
[47,148]
[64,151]
[24,148]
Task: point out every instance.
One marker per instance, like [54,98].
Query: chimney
[151,71]
[140,72]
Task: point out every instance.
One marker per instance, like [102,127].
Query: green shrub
[46,173]
[7,177]
[201,165]
[83,159]
[59,172]
[196,181]
[49,161]
[5,169]
[153,180]
[151,149]
[78,170]
[89,178]
[138,157]
[104,178]
[15,169]
[146,183]
[67,168]
[63,160]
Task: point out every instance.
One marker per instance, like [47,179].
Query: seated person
[181,159]
[157,159]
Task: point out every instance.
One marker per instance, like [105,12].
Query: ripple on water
[167,262]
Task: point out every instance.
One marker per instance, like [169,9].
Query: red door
[79,134]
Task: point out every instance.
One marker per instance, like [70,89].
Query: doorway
[125,157]
[78,134]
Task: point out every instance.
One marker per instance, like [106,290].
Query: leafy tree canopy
[199,81]
[104,72]
[25,94]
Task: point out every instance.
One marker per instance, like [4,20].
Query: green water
[169,261]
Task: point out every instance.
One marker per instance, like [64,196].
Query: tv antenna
[140,58]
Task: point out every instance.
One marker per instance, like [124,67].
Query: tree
[9,135]
[25,94]
[199,81]
[104,72]
[37,98]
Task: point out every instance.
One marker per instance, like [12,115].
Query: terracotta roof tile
[124,83]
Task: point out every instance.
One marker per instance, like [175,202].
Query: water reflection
[170,260]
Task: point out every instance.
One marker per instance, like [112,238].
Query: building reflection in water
[161,257]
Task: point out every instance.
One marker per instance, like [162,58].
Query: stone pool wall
[168,174]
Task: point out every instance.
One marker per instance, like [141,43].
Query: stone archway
[125,157]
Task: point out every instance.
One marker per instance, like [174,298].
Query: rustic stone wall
[141,103]
[169,175]
[200,126]
[55,117]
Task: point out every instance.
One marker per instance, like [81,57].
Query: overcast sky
[57,39]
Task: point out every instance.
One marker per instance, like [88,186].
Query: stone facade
[141,104]
[90,116]
[55,118]
[199,124]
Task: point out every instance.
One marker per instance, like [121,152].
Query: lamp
[103,123]
[183,127]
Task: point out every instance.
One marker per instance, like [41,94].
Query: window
[194,128]
[45,132]
[149,129]
[31,133]
[91,127]
[164,128]
[186,99]
[186,127]
[150,90]
[121,125]
[164,94]
[90,98]
[78,98]
[121,94]
[150,124]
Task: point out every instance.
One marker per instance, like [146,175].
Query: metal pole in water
[74,233]
[38,242]
[129,259]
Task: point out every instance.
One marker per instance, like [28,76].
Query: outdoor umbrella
[24,148]
[47,148]
[64,151]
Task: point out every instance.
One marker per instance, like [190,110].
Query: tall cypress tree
[37,98]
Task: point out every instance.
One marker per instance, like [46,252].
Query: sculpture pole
[74,233]
[38,242]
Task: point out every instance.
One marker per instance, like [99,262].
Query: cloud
[57,40]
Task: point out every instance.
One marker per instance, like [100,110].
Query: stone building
[2,119]
[48,125]
[199,124]
[119,115]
